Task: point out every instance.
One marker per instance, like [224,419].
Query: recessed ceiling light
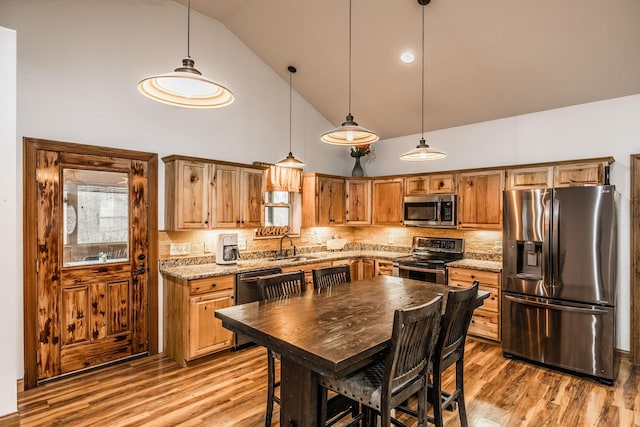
[407,57]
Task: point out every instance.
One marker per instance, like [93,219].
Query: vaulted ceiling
[484,59]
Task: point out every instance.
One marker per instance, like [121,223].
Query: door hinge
[37,265]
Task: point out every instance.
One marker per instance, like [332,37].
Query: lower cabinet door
[206,333]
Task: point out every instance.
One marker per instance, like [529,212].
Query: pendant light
[290,161]
[349,133]
[186,86]
[422,151]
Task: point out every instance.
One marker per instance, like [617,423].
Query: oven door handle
[420,269]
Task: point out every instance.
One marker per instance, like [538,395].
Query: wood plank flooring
[230,390]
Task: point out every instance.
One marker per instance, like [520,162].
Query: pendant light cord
[422,86]
[290,91]
[349,57]
[188,28]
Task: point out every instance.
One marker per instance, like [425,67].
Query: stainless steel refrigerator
[558,278]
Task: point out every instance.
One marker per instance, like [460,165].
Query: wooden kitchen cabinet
[239,197]
[578,174]
[360,268]
[387,201]
[384,267]
[480,199]
[358,201]
[190,328]
[420,185]
[323,200]
[527,178]
[201,195]
[485,322]
[187,195]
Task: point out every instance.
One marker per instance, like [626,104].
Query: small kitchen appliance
[428,258]
[227,249]
[434,210]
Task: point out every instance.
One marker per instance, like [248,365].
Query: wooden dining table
[333,331]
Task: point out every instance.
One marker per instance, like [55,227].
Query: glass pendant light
[186,86]
[290,161]
[422,151]
[349,133]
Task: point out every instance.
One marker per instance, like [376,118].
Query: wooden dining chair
[450,349]
[330,276]
[385,384]
[270,287]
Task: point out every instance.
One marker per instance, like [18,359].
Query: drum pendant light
[422,151]
[186,86]
[349,133]
[290,161]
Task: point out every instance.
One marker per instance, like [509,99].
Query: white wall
[598,129]
[8,260]
[78,67]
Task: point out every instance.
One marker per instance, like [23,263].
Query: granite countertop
[477,264]
[201,271]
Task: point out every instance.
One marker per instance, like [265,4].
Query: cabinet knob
[213,285]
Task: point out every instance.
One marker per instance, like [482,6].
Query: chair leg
[422,405]
[271,380]
[437,399]
[462,410]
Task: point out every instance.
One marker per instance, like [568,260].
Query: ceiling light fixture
[349,133]
[290,161]
[407,57]
[186,87]
[422,151]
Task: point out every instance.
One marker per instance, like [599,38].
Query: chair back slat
[281,284]
[456,320]
[330,276]
[414,336]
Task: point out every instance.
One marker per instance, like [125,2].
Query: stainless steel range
[428,259]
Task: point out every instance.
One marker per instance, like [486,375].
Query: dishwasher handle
[572,309]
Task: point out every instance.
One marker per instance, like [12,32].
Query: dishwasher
[247,291]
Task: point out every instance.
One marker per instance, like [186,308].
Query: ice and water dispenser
[528,260]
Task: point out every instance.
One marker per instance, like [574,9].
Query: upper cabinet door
[578,174]
[330,197]
[358,202]
[251,198]
[416,185]
[442,184]
[387,201]
[187,195]
[480,200]
[226,204]
[528,178]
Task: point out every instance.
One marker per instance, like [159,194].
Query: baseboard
[20,385]
[10,420]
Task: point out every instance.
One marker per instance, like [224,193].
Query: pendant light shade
[186,87]
[423,152]
[290,161]
[349,133]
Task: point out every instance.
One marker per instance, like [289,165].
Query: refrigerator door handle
[546,245]
[556,306]
[555,246]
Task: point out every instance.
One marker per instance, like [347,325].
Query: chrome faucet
[280,254]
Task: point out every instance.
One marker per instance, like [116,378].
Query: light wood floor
[229,390]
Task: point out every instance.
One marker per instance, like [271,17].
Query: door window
[96,216]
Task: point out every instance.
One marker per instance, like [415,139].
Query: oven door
[421,211]
[435,275]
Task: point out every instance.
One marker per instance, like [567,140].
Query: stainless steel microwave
[436,210]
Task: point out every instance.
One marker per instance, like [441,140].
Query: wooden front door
[94,258]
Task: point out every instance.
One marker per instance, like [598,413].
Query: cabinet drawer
[492,303]
[209,284]
[384,268]
[485,324]
[469,275]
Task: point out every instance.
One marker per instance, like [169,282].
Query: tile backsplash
[478,244]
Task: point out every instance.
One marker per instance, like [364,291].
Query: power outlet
[242,244]
[390,239]
[208,246]
[179,249]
